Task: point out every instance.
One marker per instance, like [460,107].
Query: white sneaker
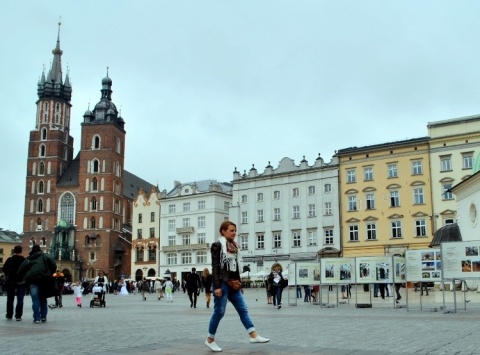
[259,339]
[213,346]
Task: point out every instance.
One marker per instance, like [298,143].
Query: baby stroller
[98,297]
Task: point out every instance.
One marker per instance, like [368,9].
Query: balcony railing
[169,248]
[185,230]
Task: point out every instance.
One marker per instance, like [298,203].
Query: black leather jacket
[221,274]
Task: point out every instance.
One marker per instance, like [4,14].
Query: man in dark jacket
[14,284]
[194,284]
[33,270]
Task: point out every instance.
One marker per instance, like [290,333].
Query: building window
[226,205]
[40,187]
[260,197]
[370,199]
[42,150]
[417,168]
[92,255]
[467,160]
[171,240]
[394,199]
[186,258]
[277,239]
[311,210]
[296,212]
[353,233]
[185,222]
[371,231]
[396,229]
[311,190]
[244,199]
[420,228]
[259,215]
[447,194]
[152,232]
[328,236]
[297,241]
[201,205]
[312,237]
[139,254]
[41,168]
[276,214]
[295,192]
[244,242]
[260,241]
[392,171]
[448,221]
[171,225]
[368,173]
[276,195]
[44,134]
[93,223]
[201,257]
[152,216]
[446,163]
[171,259]
[67,208]
[94,204]
[94,184]
[186,239]
[351,176]
[328,208]
[418,196]
[201,238]
[119,146]
[352,203]
[139,218]
[96,142]
[186,207]
[201,222]
[171,208]
[152,253]
[244,217]
[95,166]
[327,188]
[139,233]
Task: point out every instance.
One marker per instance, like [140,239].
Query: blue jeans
[220,304]
[12,291]
[277,295]
[39,305]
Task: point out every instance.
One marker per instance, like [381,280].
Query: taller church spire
[52,86]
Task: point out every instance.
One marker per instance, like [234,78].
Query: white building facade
[190,217]
[287,214]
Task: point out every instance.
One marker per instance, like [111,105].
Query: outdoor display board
[461,260]
[337,270]
[304,273]
[374,269]
[424,265]
[399,269]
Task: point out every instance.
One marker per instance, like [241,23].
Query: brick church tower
[50,151]
[79,209]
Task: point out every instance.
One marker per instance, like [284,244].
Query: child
[169,290]
[78,291]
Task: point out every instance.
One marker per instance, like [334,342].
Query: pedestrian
[145,287]
[194,284]
[423,286]
[225,267]
[78,292]
[14,284]
[207,285]
[278,283]
[397,291]
[33,270]
[102,280]
[299,291]
[158,288]
[169,287]
[306,289]
[60,281]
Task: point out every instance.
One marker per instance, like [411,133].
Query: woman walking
[207,285]
[277,282]
[225,271]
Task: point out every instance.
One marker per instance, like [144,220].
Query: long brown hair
[225,224]
[206,272]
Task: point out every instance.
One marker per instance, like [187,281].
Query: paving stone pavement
[129,325]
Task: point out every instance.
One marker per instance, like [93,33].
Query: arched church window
[44,134]
[93,223]
[67,208]
[119,146]
[96,142]
[94,204]
[94,184]
[95,166]
[42,150]
[40,187]
[40,205]
[41,168]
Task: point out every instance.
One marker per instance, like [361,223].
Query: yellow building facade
[385,198]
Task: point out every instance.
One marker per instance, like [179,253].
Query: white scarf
[226,258]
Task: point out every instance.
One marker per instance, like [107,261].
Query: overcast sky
[207,86]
